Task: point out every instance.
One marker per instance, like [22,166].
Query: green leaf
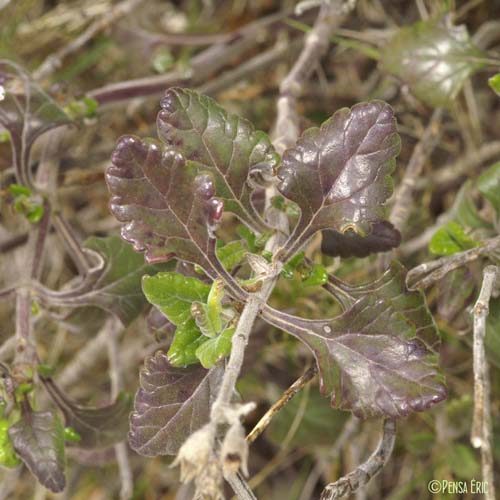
[213,350]
[494,83]
[451,239]
[173,293]
[19,189]
[38,439]
[317,275]
[231,254]
[8,457]
[488,184]
[187,339]
[433,59]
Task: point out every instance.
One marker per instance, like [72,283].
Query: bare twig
[403,196]
[54,61]
[202,65]
[428,273]
[257,63]
[363,473]
[481,433]
[316,44]
[297,386]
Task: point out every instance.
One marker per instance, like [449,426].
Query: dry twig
[481,433]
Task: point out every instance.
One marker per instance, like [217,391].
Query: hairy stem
[481,433]
[286,133]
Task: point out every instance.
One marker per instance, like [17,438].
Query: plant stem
[364,472]
[115,374]
[481,433]
[428,273]
[422,151]
[286,133]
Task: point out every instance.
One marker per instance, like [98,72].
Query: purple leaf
[26,112]
[219,142]
[162,201]
[168,207]
[38,439]
[170,405]
[379,357]
[339,176]
[97,427]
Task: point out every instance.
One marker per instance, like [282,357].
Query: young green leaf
[38,439]
[168,207]
[378,358]
[494,83]
[316,275]
[433,59]
[187,339]
[232,254]
[97,427]
[451,239]
[173,293]
[8,457]
[213,350]
[339,176]
[224,144]
[170,405]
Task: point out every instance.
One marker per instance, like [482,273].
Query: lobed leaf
[170,405]
[339,176]
[168,207]
[378,358]
[38,439]
[433,59]
[97,427]
[222,143]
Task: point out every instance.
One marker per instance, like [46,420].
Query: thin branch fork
[428,273]
[481,433]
